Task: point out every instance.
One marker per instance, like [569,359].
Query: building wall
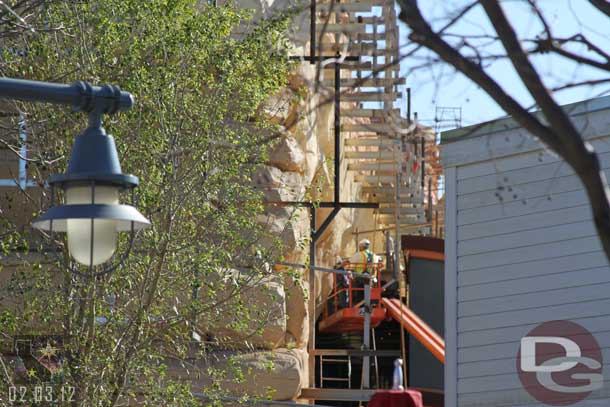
[521,250]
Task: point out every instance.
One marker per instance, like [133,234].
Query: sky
[439,86]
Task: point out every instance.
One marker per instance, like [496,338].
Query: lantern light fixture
[91,214]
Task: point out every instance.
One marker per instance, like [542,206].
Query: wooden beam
[372,166]
[358,66]
[380,113]
[375,179]
[371,96]
[380,155]
[419,212]
[349,28]
[365,83]
[337,394]
[375,141]
[371,127]
[361,6]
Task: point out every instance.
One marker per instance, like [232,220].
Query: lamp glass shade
[104,230]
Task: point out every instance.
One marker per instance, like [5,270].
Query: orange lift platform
[343,314]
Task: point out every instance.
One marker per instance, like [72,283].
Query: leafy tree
[194,137]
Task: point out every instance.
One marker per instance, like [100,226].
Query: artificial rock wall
[300,168]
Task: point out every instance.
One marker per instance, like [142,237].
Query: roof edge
[507,123]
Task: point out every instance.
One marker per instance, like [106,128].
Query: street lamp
[91,213]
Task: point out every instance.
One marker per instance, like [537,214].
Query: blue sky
[441,86]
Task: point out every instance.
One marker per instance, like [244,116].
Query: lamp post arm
[82,96]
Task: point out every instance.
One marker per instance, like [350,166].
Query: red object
[396,398]
[415,166]
[416,327]
[351,320]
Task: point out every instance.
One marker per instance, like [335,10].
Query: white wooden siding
[525,252]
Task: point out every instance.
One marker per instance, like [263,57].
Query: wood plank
[387,190]
[525,270]
[404,198]
[355,352]
[567,293]
[528,191]
[345,28]
[337,394]
[548,171]
[375,179]
[507,350]
[520,287]
[404,219]
[519,208]
[527,238]
[365,82]
[370,96]
[371,127]
[374,20]
[451,273]
[594,324]
[381,155]
[372,141]
[361,6]
[385,167]
[419,212]
[532,316]
[529,253]
[525,222]
[517,397]
[378,113]
[409,225]
[521,161]
[507,139]
[352,66]
[371,36]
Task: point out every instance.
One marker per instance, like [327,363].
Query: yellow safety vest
[361,267]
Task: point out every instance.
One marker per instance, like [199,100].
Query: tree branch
[423,34]
[561,136]
[576,152]
[601,5]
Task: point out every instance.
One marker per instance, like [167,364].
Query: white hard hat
[365,242]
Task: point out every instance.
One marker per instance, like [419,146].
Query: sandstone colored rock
[278,185]
[280,374]
[287,155]
[267,304]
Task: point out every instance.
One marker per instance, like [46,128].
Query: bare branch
[561,135]
[601,5]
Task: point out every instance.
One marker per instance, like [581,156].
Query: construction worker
[362,259]
[342,286]
[361,262]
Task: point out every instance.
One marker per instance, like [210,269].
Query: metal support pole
[366,345]
[337,129]
[423,163]
[326,223]
[312,40]
[397,216]
[429,211]
[312,299]
[409,104]
[82,96]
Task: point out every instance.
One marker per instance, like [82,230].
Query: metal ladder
[336,359]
